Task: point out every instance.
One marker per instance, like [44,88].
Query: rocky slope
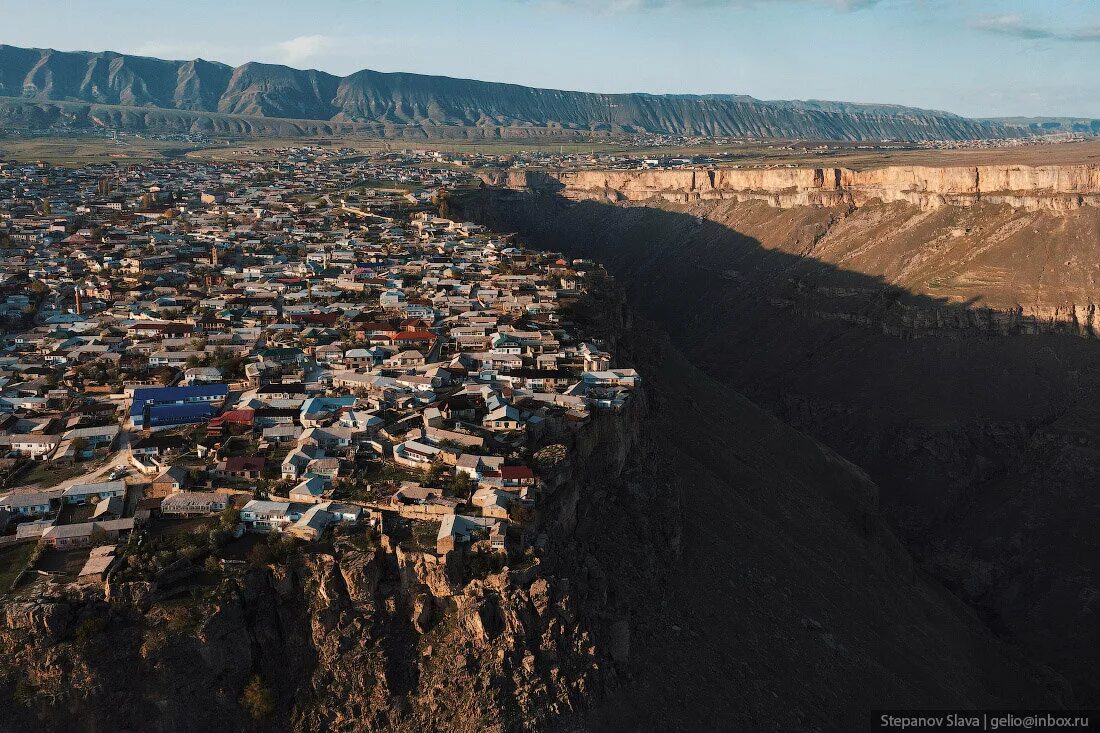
[705,566]
[403,105]
[947,351]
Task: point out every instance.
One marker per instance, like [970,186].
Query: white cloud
[301,49]
[1017,26]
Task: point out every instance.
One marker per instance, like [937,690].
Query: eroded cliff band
[1055,188]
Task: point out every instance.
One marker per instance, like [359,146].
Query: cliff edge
[1059,187]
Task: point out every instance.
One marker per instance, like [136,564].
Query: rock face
[946,352]
[412,105]
[1057,188]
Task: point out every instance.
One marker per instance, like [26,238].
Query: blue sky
[974,57]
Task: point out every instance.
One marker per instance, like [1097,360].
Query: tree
[98,536]
[257,699]
[228,518]
[459,485]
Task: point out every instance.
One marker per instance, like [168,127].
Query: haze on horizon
[980,59]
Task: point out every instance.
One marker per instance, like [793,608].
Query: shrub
[257,699]
[88,630]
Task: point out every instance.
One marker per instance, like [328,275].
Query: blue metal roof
[179,414]
[167,395]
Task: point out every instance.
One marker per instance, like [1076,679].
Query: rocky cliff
[413,105]
[352,636]
[1059,187]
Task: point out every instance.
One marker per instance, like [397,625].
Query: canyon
[935,326]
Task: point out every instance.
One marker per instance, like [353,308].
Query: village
[206,363]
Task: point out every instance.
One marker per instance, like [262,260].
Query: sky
[973,57]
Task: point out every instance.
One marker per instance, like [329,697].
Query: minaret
[214,254]
[78,301]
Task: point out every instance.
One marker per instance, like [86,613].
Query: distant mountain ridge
[404,104]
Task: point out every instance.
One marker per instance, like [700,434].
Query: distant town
[206,361]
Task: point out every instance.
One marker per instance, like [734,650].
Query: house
[310,491]
[28,505]
[282,433]
[156,446]
[316,411]
[81,493]
[193,503]
[95,438]
[421,502]
[612,378]
[312,524]
[414,454]
[503,418]
[294,463]
[493,503]
[458,530]
[201,375]
[267,516]
[407,359]
[99,560]
[246,467]
[35,447]
[166,406]
[147,508]
[327,468]
[169,482]
[517,476]
[315,520]
[75,536]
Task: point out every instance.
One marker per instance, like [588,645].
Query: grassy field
[129,149]
[45,474]
[76,151]
[12,561]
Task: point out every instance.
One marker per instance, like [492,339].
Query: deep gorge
[947,351]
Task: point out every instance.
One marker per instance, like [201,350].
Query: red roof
[415,336]
[516,473]
[239,417]
[244,463]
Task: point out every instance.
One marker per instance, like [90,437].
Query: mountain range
[48,88]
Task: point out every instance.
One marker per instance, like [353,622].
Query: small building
[193,503]
[267,516]
[82,493]
[245,467]
[173,480]
[28,504]
[75,536]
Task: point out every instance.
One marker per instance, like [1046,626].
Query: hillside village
[205,363]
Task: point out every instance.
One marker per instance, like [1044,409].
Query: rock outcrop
[1057,188]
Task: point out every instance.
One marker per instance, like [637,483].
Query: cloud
[626,6]
[1019,27]
[303,48]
